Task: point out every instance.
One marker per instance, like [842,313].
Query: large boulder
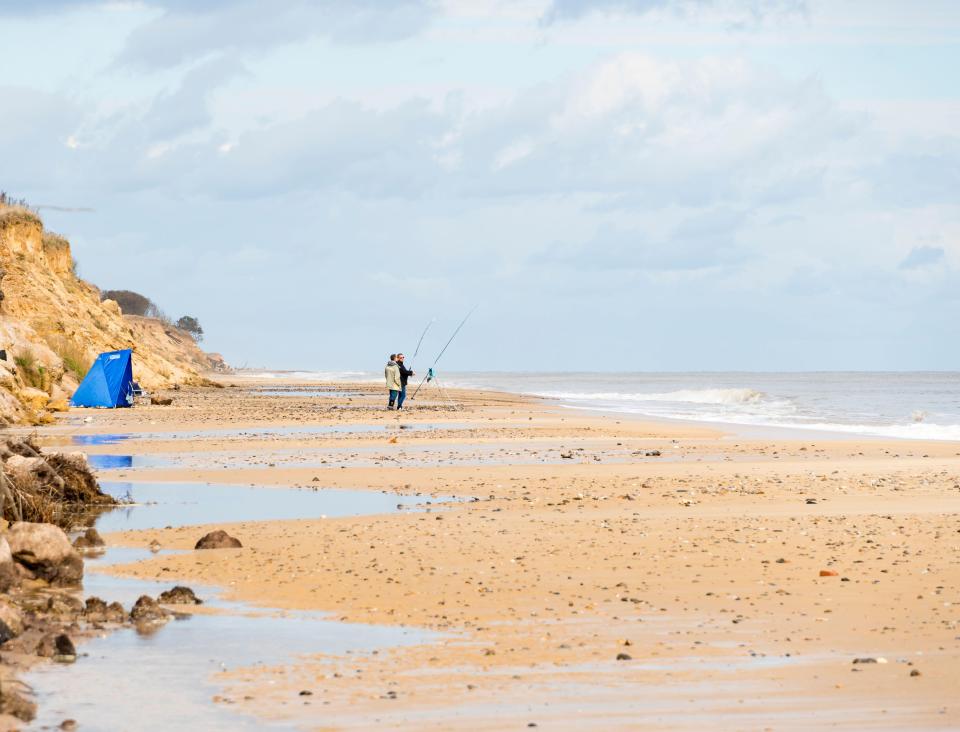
[218,539]
[45,552]
[8,569]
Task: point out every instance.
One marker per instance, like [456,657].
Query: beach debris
[8,569]
[53,488]
[148,610]
[914,672]
[828,573]
[179,595]
[865,659]
[67,605]
[43,551]
[161,401]
[811,501]
[154,546]
[89,542]
[57,646]
[14,704]
[218,539]
[652,453]
[97,610]
[69,725]
[624,657]
[64,650]
[6,633]
[12,619]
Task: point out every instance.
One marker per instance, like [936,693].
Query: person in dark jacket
[405,374]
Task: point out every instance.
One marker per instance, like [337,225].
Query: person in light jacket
[392,374]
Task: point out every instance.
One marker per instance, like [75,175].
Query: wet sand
[573,544]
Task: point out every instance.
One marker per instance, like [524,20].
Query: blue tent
[108,383]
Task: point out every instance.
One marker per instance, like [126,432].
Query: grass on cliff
[32,371]
[17,215]
[75,359]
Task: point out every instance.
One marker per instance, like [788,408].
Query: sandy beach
[579,569]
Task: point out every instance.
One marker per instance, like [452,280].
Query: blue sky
[619,184]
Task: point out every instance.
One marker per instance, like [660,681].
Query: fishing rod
[429,375]
[432,321]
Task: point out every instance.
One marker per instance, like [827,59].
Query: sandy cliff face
[53,324]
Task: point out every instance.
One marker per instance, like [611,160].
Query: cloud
[912,175]
[923,256]
[693,241]
[188,107]
[632,132]
[35,133]
[656,133]
[343,146]
[736,12]
[180,31]
[187,30]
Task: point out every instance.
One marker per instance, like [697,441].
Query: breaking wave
[686,396]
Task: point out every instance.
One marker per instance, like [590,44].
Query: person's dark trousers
[402,395]
[393,398]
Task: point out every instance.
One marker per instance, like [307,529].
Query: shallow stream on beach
[159,505]
[165,680]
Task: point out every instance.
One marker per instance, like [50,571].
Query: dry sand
[700,568]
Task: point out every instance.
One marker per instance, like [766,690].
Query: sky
[617,185]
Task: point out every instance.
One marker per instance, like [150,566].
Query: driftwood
[51,488]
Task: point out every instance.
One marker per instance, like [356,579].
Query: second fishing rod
[430,375]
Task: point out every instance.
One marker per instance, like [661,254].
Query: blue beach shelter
[108,383]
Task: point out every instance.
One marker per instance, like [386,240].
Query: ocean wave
[687,396]
[310,375]
[913,431]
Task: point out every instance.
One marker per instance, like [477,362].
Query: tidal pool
[166,680]
[266,431]
[157,505]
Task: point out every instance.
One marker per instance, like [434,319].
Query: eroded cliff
[53,324]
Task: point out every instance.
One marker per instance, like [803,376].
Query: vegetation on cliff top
[133,303]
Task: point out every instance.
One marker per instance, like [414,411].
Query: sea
[910,405]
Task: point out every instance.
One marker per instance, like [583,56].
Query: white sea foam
[913,431]
[755,408]
[910,431]
[688,396]
[309,375]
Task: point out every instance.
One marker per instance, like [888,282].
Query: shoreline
[574,539]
